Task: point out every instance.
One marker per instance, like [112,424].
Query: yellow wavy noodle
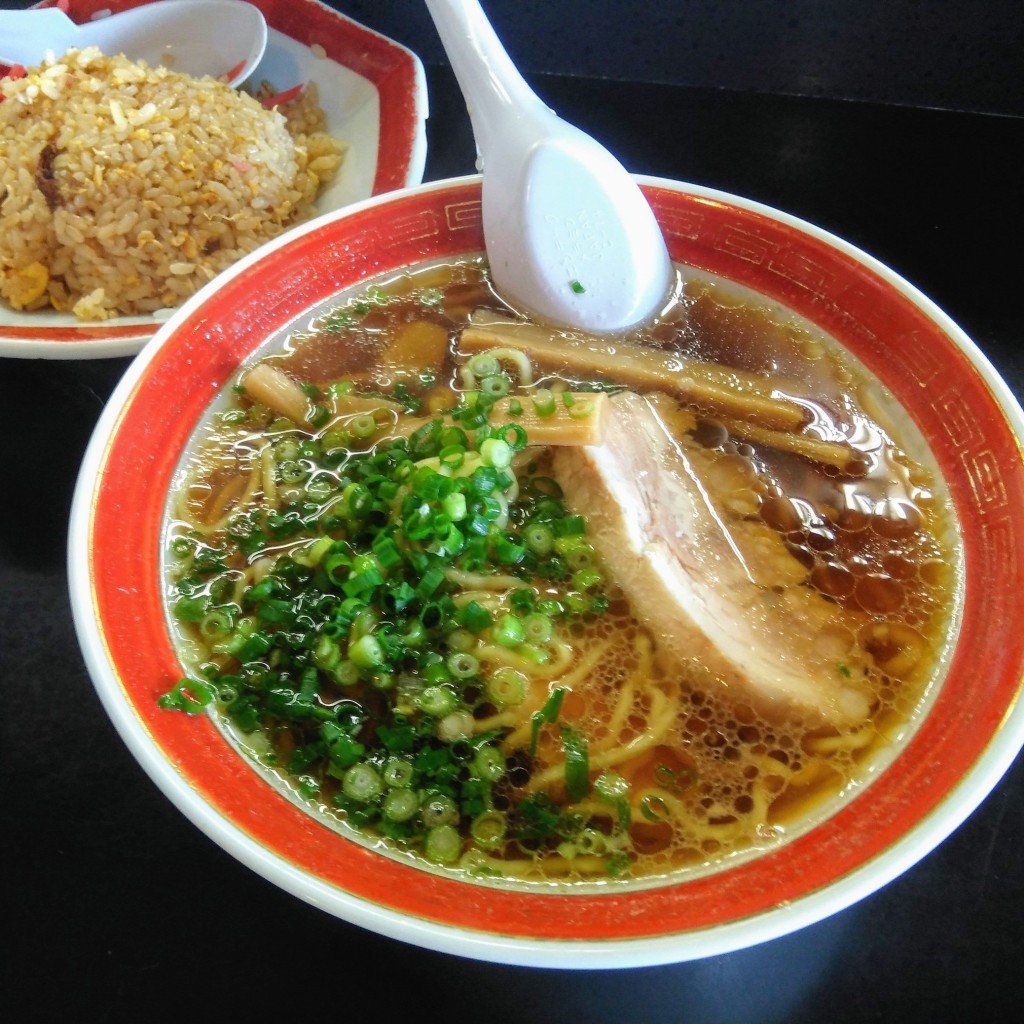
[588,661]
[627,693]
[495,654]
[716,824]
[481,581]
[617,720]
[828,745]
[489,599]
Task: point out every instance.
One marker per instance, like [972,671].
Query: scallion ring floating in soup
[535,606]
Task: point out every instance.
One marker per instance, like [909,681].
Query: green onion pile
[353,653]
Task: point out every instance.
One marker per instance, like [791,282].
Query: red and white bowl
[373,93]
[966,741]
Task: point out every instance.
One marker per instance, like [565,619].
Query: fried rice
[125,188]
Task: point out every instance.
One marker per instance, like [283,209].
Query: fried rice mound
[124,188]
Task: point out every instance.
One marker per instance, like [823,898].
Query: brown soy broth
[315,355]
[728,774]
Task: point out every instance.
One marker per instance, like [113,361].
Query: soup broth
[401,568]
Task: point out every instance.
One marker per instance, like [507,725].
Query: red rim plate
[394,72]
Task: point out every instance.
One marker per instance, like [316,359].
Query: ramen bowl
[933,773]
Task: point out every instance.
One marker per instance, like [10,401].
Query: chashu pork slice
[721,595]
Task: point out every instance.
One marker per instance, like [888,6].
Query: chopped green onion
[508,631]
[462,665]
[429,582]
[386,552]
[654,808]
[489,764]
[367,652]
[216,623]
[443,844]
[438,701]
[438,809]
[188,695]
[475,617]
[452,456]
[398,773]
[577,764]
[543,402]
[460,640]
[538,628]
[489,829]
[547,714]
[495,385]
[539,538]
[455,506]
[496,452]
[399,805]
[513,435]
[484,364]
[581,409]
[585,579]
[506,687]
[611,786]
[592,842]
[362,783]
[571,526]
[190,609]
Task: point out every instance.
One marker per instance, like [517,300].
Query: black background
[115,908]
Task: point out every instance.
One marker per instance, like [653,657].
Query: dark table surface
[116,908]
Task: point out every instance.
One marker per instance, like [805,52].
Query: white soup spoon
[568,233]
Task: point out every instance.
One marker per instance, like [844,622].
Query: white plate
[373,92]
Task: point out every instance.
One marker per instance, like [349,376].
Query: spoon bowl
[222,38]
[568,233]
